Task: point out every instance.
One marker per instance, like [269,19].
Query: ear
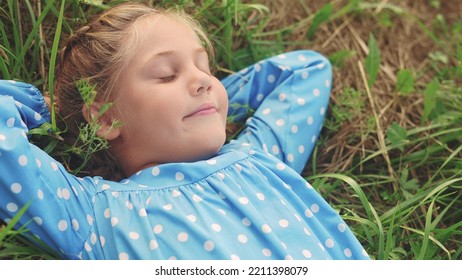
[106,120]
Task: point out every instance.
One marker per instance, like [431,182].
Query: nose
[201,82]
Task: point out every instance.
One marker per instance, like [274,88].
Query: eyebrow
[172,52]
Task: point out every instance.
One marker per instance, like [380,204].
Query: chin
[209,150]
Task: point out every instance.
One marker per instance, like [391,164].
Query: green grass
[399,184]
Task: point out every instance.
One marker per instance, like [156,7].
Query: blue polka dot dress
[247,202]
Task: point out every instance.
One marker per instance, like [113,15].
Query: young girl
[186,194]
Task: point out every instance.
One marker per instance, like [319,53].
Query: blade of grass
[51,72]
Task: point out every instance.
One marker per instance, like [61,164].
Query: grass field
[390,155]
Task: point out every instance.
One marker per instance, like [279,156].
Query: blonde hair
[97,53]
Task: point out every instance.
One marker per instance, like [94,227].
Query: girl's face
[171,108]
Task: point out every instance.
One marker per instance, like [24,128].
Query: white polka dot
[329,243]
[290,157]
[316,92]
[341,227]
[222,212]
[305,75]
[260,97]
[37,116]
[129,205]
[10,122]
[197,198]
[102,240]
[244,200]
[22,160]
[364,253]
[260,196]
[157,229]
[182,237]
[114,221]
[90,220]
[153,244]
[123,256]
[12,207]
[294,128]
[168,206]
[75,224]
[281,166]
[322,247]
[38,220]
[179,176]
[266,252]
[314,208]
[307,231]
[327,83]
[284,223]
[93,238]
[298,217]
[271,79]
[288,258]
[282,96]
[192,218]
[301,149]
[107,213]
[347,252]
[266,228]
[280,122]
[216,227]
[301,57]
[235,257]
[212,161]
[322,111]
[209,245]
[62,225]
[308,213]
[257,67]
[66,194]
[242,238]
[105,187]
[221,175]
[307,253]
[143,212]
[16,188]
[199,187]
[308,186]
[134,235]
[176,193]
[266,111]
[320,66]
[40,194]
[246,222]
[54,166]
[313,139]
[2,137]
[310,120]
[87,247]
[155,171]
[301,101]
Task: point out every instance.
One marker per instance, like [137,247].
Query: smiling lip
[204,109]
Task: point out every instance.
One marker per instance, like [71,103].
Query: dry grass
[403,44]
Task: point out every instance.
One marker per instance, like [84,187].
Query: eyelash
[168,78]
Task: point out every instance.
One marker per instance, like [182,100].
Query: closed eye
[167,79]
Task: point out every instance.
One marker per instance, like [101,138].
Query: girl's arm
[56,201]
[289,94]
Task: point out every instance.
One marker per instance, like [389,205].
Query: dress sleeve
[289,94]
[58,205]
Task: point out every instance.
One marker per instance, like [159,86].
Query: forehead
[158,30]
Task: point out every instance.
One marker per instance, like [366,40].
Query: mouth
[202,110]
